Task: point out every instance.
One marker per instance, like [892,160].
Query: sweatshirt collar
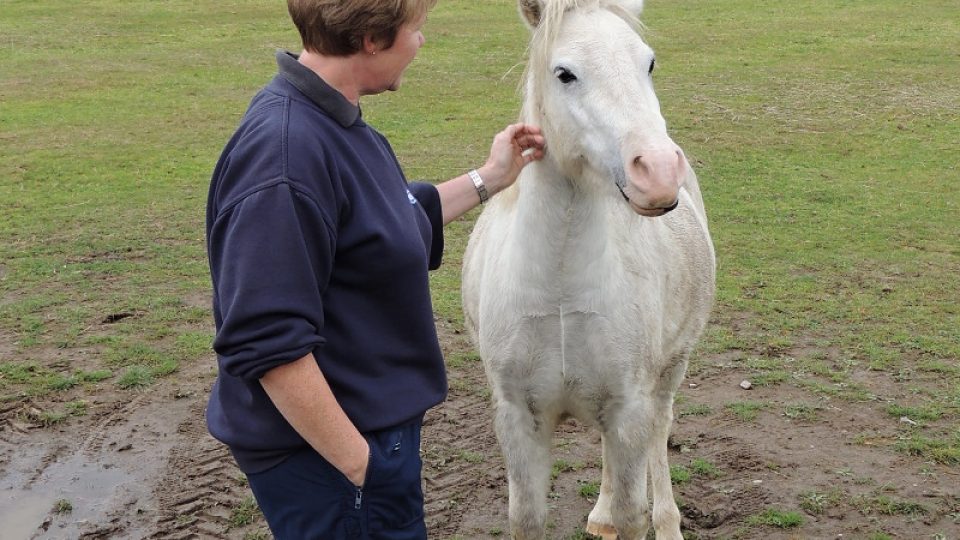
[322,94]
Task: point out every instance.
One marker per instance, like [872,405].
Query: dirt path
[141,465]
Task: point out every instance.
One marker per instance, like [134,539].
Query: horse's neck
[552,198]
[559,244]
[559,215]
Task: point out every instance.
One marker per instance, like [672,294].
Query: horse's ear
[633,7]
[531,10]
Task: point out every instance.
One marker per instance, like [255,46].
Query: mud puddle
[53,489]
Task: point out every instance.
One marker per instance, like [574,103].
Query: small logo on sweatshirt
[413,200]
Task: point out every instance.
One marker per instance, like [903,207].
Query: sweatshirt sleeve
[429,199]
[271,257]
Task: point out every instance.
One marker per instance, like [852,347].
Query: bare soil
[140,464]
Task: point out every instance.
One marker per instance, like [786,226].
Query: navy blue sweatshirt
[317,244]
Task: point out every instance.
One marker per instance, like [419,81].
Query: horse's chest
[567,363]
[567,279]
[566,358]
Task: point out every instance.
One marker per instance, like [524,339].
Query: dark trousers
[306,498]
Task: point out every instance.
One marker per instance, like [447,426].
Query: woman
[319,251]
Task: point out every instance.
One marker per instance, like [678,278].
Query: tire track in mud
[460,453]
[93,443]
[15,431]
[103,468]
[203,486]
[459,449]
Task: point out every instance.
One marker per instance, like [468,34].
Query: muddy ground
[140,464]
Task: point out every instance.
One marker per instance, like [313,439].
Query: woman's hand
[512,149]
[304,398]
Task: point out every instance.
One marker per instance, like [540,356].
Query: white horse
[588,282]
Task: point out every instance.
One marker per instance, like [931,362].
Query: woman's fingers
[526,136]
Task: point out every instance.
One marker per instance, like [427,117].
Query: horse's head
[590,88]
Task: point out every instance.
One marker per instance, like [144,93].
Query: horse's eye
[565,76]
[653,63]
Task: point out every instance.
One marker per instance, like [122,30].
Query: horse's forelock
[546,32]
[544,37]
[551,19]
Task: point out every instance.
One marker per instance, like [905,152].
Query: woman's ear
[370,46]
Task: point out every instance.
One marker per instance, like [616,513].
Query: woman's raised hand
[512,149]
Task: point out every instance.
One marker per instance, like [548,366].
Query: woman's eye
[653,64]
[565,76]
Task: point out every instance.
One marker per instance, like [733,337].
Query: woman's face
[389,64]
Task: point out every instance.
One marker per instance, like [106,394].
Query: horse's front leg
[666,515]
[525,443]
[623,500]
[600,520]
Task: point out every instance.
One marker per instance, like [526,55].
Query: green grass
[561,466]
[62,506]
[700,409]
[136,377]
[679,475]
[698,467]
[244,513]
[801,411]
[104,179]
[589,490]
[818,234]
[915,413]
[944,449]
[55,414]
[879,503]
[816,502]
[471,457]
[746,411]
[776,518]
[580,534]
[702,467]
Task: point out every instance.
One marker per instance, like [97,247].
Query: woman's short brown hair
[337,27]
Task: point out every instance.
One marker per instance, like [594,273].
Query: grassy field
[826,136]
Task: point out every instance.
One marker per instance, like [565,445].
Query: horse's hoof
[607,532]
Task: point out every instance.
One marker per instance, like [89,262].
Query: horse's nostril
[637,161]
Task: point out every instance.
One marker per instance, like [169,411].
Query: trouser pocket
[392,495]
[306,498]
